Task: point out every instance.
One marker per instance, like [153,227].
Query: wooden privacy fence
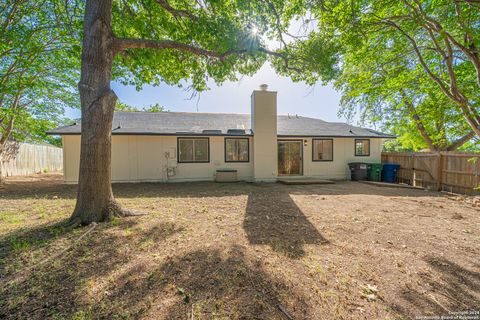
[443,171]
[32,158]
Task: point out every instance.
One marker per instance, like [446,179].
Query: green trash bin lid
[375,166]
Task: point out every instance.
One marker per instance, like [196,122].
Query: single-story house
[261,146]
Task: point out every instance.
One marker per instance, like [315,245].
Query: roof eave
[183,134]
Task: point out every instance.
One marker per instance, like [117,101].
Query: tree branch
[471,51]
[177,12]
[278,23]
[121,44]
[9,127]
[434,77]
[468,111]
[461,141]
[6,132]
[418,122]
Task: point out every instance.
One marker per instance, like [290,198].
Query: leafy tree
[154,41]
[425,47]
[120,106]
[37,68]
[444,38]
[402,99]
[156,107]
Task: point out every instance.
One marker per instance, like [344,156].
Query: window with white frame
[322,149]
[193,150]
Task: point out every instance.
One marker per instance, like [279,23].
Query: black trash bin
[358,171]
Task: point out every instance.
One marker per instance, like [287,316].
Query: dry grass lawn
[239,251]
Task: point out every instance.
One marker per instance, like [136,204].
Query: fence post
[440,172]
[413,170]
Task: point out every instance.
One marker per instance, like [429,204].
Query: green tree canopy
[384,89]
[191,41]
[39,59]
[389,56]
[156,107]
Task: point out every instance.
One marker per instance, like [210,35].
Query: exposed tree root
[130,213]
[85,216]
[116,210]
[73,223]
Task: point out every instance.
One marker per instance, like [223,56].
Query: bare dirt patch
[239,251]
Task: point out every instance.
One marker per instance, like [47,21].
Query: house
[261,146]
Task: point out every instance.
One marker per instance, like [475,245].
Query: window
[193,150]
[236,150]
[362,147]
[322,149]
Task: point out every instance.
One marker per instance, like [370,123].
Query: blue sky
[295,98]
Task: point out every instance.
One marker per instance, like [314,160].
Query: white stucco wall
[71,158]
[142,158]
[343,153]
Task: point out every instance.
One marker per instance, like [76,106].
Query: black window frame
[193,138]
[313,153]
[225,150]
[355,148]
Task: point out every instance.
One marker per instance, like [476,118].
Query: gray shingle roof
[184,123]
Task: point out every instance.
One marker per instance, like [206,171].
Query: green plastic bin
[374,171]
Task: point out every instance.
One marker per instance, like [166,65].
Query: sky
[320,102]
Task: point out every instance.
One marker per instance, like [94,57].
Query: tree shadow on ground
[208,283]
[272,218]
[448,287]
[103,279]
[53,289]
[29,238]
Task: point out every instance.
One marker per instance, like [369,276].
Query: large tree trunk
[95,201]
[3,141]
[1,164]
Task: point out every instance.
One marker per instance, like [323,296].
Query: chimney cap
[264,87]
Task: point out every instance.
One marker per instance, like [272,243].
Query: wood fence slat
[33,158]
[460,155]
[461,172]
[450,171]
